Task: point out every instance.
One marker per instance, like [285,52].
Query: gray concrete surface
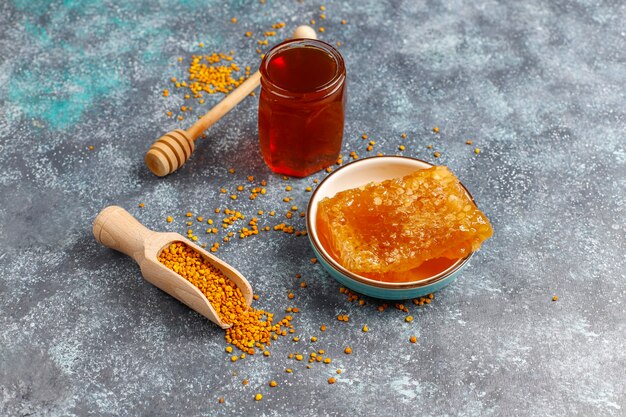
[538,85]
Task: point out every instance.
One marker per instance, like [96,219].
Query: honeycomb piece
[385,229]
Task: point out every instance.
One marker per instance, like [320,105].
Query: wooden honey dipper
[117,229]
[173,149]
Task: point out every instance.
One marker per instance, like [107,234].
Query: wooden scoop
[117,229]
[173,149]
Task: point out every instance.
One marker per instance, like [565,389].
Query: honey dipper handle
[224,106]
[117,229]
[239,93]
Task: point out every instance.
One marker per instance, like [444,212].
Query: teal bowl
[356,174]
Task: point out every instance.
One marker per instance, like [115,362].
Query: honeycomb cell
[388,230]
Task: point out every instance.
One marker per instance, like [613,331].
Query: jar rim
[323,90]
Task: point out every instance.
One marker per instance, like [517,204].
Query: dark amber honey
[301,109]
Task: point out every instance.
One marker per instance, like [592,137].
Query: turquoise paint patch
[152,53]
[65,77]
[60,96]
[238,4]
[36,8]
[192,4]
[80,4]
[41,7]
[121,24]
[38,34]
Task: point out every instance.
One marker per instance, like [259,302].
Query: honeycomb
[387,230]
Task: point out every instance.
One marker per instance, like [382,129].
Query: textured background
[539,86]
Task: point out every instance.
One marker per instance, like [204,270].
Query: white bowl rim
[312,232]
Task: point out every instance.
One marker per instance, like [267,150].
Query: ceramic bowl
[355,174]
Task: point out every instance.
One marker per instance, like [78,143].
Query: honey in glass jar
[302,106]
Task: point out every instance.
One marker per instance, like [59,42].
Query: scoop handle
[117,229]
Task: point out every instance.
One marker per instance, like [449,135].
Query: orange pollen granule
[214,73]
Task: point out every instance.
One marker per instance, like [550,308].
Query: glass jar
[302,106]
